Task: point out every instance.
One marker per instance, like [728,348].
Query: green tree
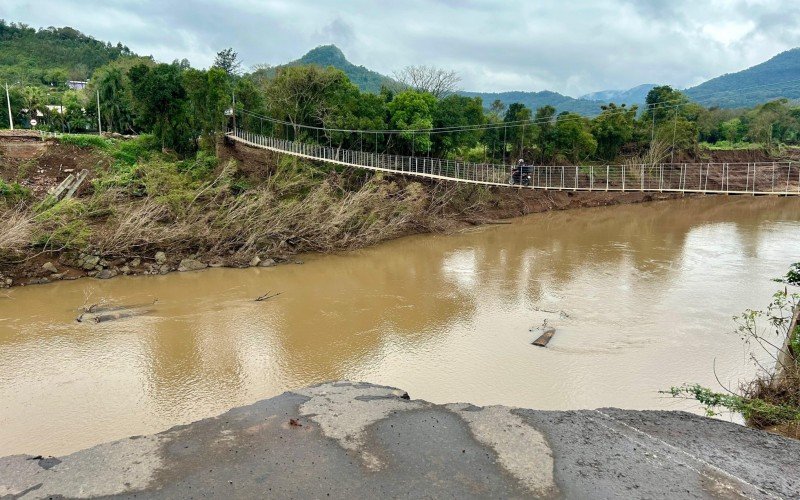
[228,61]
[33,101]
[209,95]
[74,116]
[413,110]
[520,137]
[304,95]
[249,98]
[457,111]
[612,129]
[356,110]
[161,100]
[115,99]
[545,139]
[661,102]
[573,137]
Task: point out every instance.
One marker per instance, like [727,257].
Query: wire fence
[759,178]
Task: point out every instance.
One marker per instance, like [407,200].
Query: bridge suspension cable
[777,178]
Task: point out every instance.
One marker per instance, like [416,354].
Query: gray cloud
[570,47]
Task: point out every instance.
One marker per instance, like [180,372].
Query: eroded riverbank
[37,268]
[646,291]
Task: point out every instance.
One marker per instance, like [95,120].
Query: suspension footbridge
[755,178]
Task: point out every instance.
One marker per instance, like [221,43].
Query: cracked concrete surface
[356,440]
[521,450]
[104,470]
[344,415]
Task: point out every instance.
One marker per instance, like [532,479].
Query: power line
[668,103]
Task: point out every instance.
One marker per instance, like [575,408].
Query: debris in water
[543,340]
[266,296]
[547,334]
[101,313]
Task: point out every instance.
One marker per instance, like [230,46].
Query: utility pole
[234,112]
[8,101]
[99,126]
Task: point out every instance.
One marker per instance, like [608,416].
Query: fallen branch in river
[267,296]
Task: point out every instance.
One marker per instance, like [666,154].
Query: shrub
[128,152]
[62,226]
[13,193]
[773,397]
[86,141]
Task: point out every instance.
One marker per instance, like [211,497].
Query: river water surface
[641,296]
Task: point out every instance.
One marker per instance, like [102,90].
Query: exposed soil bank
[44,164]
[54,266]
[356,440]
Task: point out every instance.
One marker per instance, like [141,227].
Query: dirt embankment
[759,155]
[40,165]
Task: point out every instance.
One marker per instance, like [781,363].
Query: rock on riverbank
[360,440]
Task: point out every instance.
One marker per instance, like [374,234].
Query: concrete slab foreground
[356,440]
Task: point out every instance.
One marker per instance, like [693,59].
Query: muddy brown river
[641,297]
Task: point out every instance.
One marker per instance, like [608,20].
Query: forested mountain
[51,56]
[635,95]
[777,77]
[331,55]
[535,100]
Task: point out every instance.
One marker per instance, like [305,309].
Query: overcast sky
[572,47]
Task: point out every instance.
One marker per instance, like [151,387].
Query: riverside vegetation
[143,200]
[772,399]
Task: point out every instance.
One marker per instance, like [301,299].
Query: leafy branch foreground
[772,399]
[147,201]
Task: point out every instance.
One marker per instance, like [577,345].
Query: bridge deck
[766,178]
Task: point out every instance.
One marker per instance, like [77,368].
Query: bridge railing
[781,178]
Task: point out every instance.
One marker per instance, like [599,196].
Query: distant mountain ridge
[635,95]
[777,77]
[535,100]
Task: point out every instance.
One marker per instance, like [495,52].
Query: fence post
[576,178]
[685,170]
[747,179]
[773,178]
[608,172]
[642,178]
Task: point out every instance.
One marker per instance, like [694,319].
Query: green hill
[331,55]
[51,56]
[775,78]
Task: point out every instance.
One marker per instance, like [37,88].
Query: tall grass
[16,229]
[144,200]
